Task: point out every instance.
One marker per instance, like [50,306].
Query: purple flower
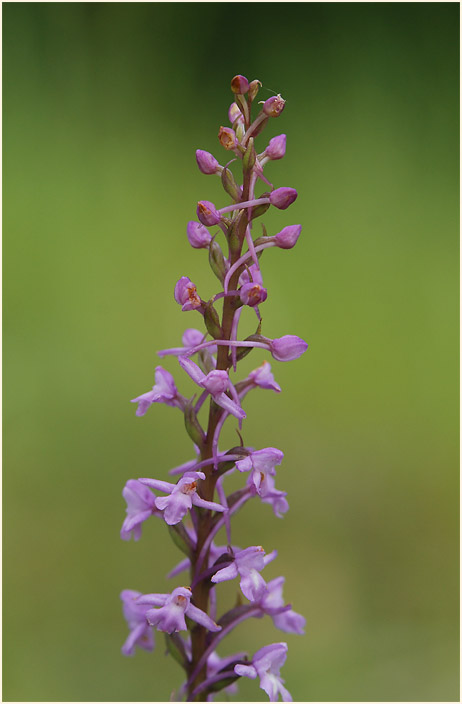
[247,564]
[276,148]
[266,664]
[263,377]
[135,615]
[274,106]
[198,235]
[181,497]
[227,138]
[261,464]
[283,197]
[216,383]
[239,84]
[170,617]
[273,602]
[207,213]
[252,291]
[163,391]
[287,238]
[288,347]
[234,113]
[186,294]
[207,162]
[140,506]
[274,497]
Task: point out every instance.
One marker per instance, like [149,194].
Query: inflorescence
[188,506]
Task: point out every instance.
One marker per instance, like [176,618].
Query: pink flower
[163,391]
[186,294]
[283,197]
[170,616]
[266,664]
[135,615]
[180,497]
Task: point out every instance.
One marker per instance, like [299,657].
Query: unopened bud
[274,106]
[239,84]
[206,162]
[227,138]
[276,147]
[198,235]
[254,87]
[287,348]
[207,213]
[287,238]
[283,197]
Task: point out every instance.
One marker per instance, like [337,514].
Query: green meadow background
[103,108]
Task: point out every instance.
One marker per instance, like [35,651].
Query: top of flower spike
[239,85]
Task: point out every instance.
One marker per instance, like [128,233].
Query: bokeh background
[104,106]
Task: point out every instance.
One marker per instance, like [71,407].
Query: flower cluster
[196,507]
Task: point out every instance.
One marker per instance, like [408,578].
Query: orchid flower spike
[200,505]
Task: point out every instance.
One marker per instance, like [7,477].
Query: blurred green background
[104,106]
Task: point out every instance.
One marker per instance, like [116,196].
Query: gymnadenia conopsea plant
[197,506]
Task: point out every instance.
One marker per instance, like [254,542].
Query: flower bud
[234,113]
[252,294]
[208,214]
[288,347]
[282,197]
[186,294]
[227,138]
[274,106]
[239,84]
[206,162]
[287,238]
[254,87]
[276,147]
[198,235]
